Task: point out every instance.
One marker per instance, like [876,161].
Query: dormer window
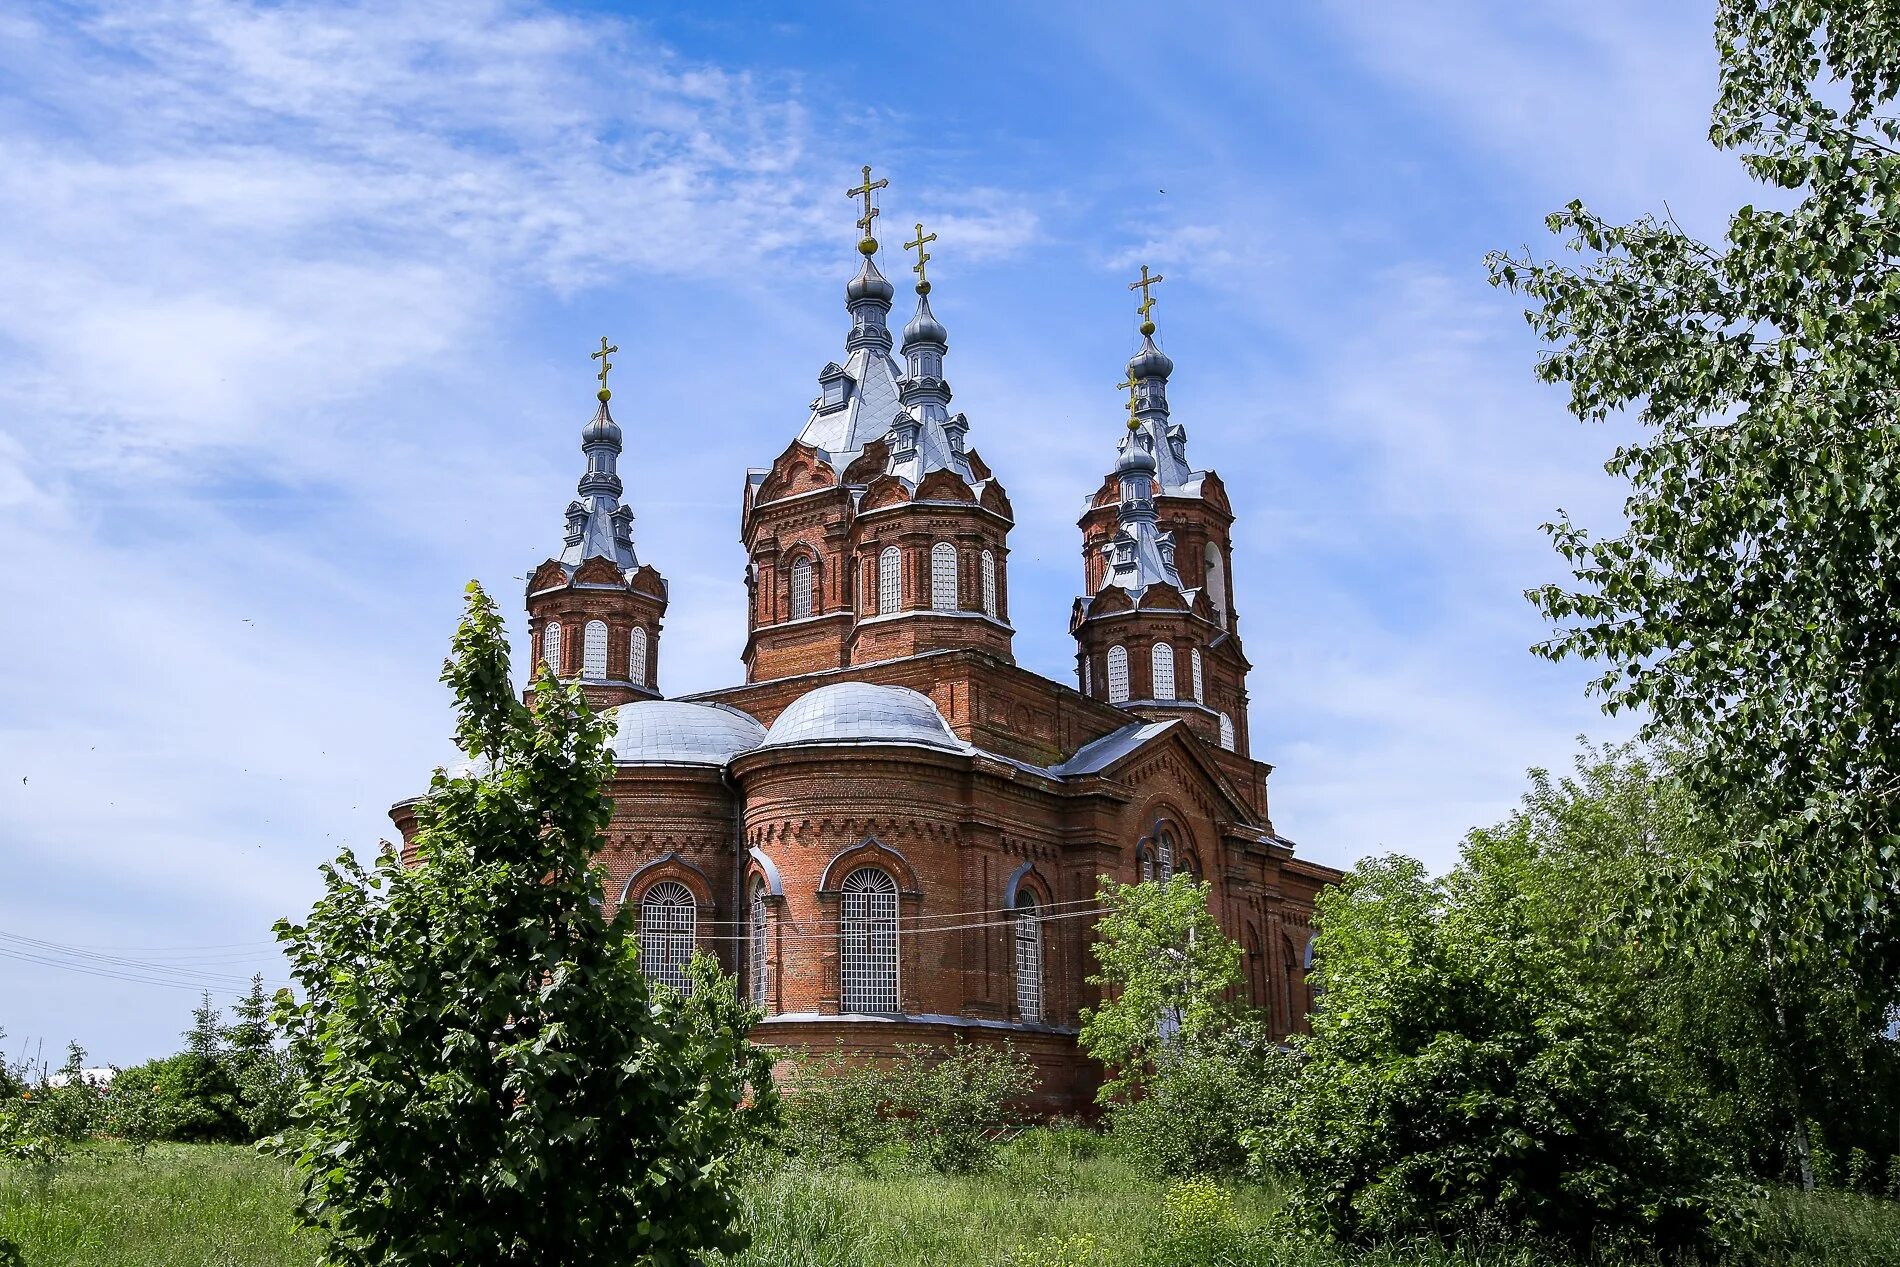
[834,388]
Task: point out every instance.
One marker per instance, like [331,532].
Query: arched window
[1161,662]
[943,577]
[637,656]
[1200,684]
[551,646]
[867,942]
[758,949]
[1028,959]
[594,650]
[1164,856]
[989,584]
[890,580]
[1217,585]
[1227,732]
[667,917]
[1118,675]
[1088,678]
[804,584]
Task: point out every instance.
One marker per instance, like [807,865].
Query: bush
[1202,1103]
[835,1109]
[194,1100]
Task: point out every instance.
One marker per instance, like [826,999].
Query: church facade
[890,831]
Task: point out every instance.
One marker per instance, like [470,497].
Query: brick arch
[1027,877]
[760,866]
[803,552]
[670,866]
[869,852]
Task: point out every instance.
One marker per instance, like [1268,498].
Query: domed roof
[1150,362]
[1135,456]
[860,712]
[674,732]
[924,327]
[868,284]
[602,427]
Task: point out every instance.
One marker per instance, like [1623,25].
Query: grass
[1053,1202]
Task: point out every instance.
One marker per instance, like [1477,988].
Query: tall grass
[1055,1200]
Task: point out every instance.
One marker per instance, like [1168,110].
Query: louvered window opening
[1161,665]
[802,580]
[1227,732]
[551,645]
[667,917]
[890,580]
[1200,691]
[867,942]
[943,577]
[637,656]
[1028,959]
[989,585]
[1088,682]
[1118,675]
[594,650]
[758,954]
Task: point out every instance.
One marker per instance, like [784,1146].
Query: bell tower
[594,610]
[1156,631]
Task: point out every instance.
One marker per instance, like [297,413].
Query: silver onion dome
[924,327]
[1150,362]
[868,284]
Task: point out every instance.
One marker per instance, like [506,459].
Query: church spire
[598,525]
[1148,372]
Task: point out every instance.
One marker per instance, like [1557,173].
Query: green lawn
[208,1206]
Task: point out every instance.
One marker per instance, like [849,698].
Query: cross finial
[1147,300]
[605,365]
[923,257]
[1133,403]
[867,244]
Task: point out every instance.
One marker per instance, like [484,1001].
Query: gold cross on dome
[1133,404]
[605,365]
[923,257]
[1147,300]
[865,191]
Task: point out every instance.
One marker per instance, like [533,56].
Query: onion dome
[1150,362]
[924,327]
[862,713]
[602,429]
[868,284]
[1135,459]
[674,732]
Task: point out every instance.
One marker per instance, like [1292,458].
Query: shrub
[835,1109]
[194,1099]
[1202,1103]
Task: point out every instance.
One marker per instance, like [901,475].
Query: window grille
[667,917]
[1161,663]
[943,577]
[989,584]
[1217,585]
[594,650]
[551,646]
[1200,691]
[802,579]
[759,948]
[1164,856]
[1118,675]
[867,942]
[1028,959]
[1227,732]
[1088,684]
[1145,862]
[637,657]
[890,580]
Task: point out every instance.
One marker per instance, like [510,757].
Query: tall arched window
[943,577]
[989,584]
[1118,675]
[1088,677]
[1200,683]
[667,917]
[1164,855]
[804,580]
[1227,732]
[1028,959]
[890,580]
[1161,665]
[867,942]
[758,950]
[637,656]
[594,649]
[551,645]
[1217,585]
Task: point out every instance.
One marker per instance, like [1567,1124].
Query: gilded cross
[1147,300]
[865,191]
[1133,404]
[605,364]
[923,257]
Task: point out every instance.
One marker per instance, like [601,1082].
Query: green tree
[1752,603]
[1168,975]
[1479,1066]
[493,1079]
[205,1039]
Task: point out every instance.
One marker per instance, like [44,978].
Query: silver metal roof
[598,526]
[672,732]
[1093,758]
[863,713]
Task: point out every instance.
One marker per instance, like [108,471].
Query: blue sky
[294,335]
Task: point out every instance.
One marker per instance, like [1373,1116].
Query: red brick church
[891,831]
